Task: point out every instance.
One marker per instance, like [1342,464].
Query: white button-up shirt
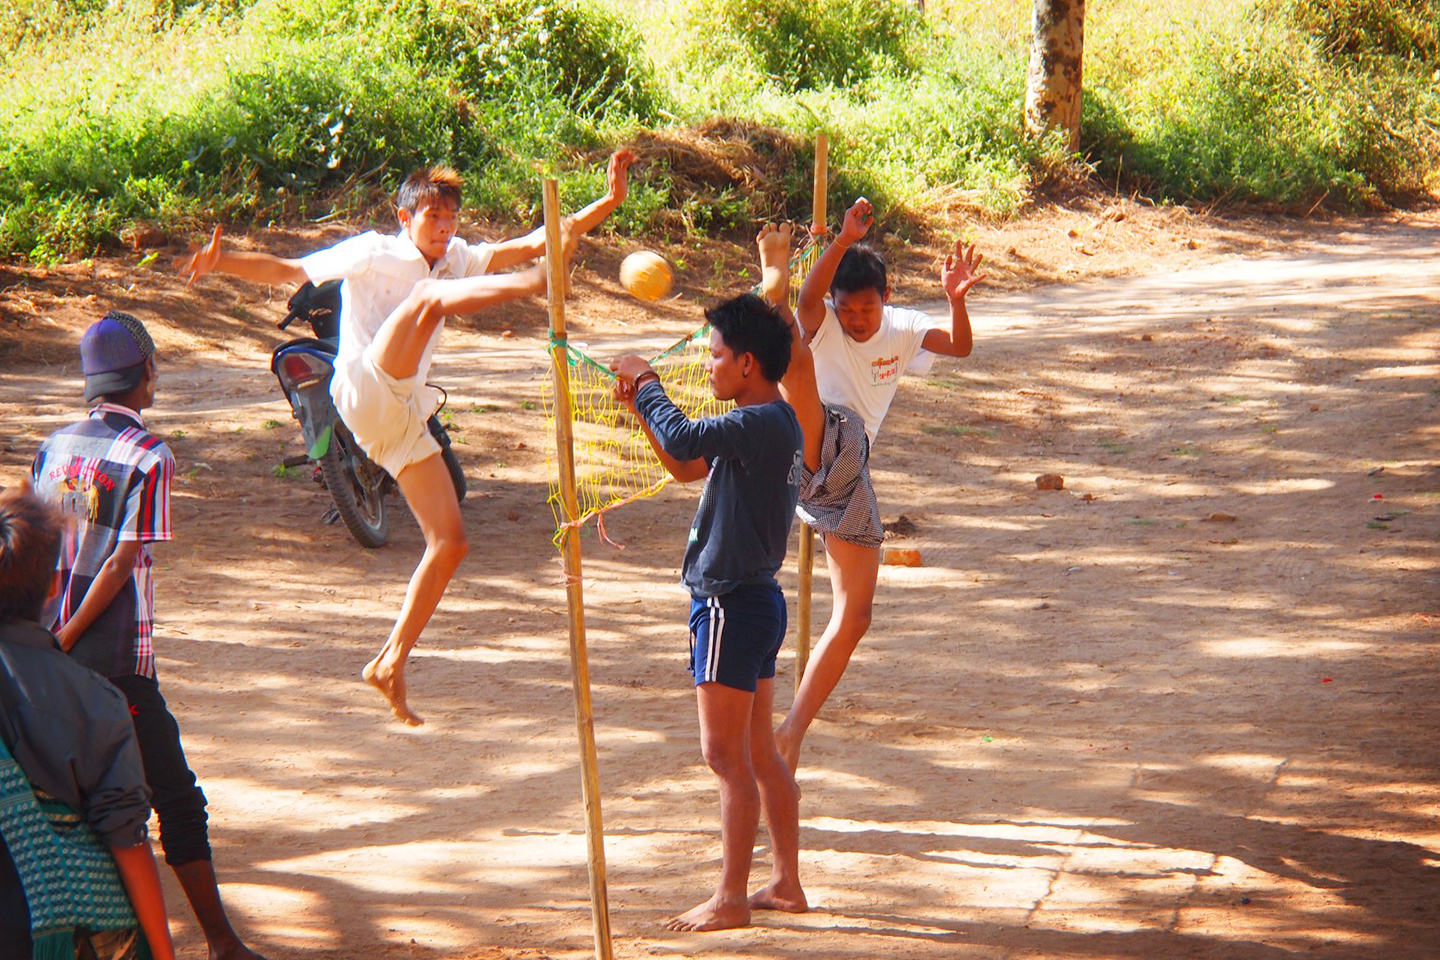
[379,271]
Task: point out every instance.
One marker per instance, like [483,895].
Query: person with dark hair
[72,788]
[396,294]
[858,346]
[750,459]
[110,478]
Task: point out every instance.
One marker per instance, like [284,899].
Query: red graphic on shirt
[884,369]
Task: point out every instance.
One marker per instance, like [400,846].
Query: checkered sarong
[67,872]
[838,498]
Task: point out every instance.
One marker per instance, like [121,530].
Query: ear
[885,297]
[748,363]
[403,216]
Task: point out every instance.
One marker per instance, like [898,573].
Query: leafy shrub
[1409,29]
[809,44]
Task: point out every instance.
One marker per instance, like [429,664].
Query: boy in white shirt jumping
[397,291]
[860,345]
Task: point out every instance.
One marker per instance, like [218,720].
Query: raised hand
[202,261]
[617,175]
[958,274]
[858,220]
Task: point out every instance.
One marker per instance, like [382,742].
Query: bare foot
[712,915]
[391,684]
[773,242]
[788,746]
[785,897]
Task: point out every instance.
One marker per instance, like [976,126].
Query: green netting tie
[576,356]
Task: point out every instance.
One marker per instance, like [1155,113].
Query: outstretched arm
[509,253]
[957,276]
[142,883]
[811,308]
[631,373]
[260,267]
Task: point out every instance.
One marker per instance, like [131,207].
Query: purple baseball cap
[113,354]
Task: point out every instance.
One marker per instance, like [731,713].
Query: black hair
[29,546]
[425,187]
[861,268]
[748,324]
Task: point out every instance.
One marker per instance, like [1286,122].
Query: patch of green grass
[1114,446]
[1236,399]
[527,404]
[955,430]
[1376,525]
[281,472]
[949,383]
[1141,522]
[1269,428]
[178,434]
[271,424]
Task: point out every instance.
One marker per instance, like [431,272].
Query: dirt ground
[1184,707]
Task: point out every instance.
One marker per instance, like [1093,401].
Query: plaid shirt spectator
[111,477]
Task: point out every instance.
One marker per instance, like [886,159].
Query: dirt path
[1103,722]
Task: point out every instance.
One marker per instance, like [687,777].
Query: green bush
[1260,113]
[1409,29]
[809,44]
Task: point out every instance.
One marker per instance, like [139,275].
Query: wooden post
[570,549]
[806,558]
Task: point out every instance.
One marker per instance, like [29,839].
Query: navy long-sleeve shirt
[742,525]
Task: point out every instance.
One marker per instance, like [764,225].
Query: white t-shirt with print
[863,376]
[379,270]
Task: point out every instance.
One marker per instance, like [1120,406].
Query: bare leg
[431,494]
[853,572]
[780,801]
[725,716]
[401,340]
[798,385]
[197,879]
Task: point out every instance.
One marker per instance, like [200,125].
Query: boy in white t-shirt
[861,345]
[398,289]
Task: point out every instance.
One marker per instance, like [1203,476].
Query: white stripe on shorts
[717,630]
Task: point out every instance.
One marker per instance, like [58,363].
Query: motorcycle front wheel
[357,485]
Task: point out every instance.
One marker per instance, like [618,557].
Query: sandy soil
[1184,707]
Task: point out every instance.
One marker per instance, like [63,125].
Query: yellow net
[614,464]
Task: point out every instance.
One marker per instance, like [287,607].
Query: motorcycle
[358,487]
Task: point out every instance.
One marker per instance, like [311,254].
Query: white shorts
[386,415]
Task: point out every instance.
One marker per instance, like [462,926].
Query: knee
[424,299]
[451,547]
[727,761]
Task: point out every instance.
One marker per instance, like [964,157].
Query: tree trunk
[1052,96]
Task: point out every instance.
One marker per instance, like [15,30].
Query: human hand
[958,274]
[624,393]
[617,175]
[630,367]
[858,220]
[65,636]
[202,261]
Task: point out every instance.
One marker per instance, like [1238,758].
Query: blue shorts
[735,637]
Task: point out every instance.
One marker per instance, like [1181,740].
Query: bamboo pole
[806,558]
[570,549]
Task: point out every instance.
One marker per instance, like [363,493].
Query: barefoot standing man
[750,460]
